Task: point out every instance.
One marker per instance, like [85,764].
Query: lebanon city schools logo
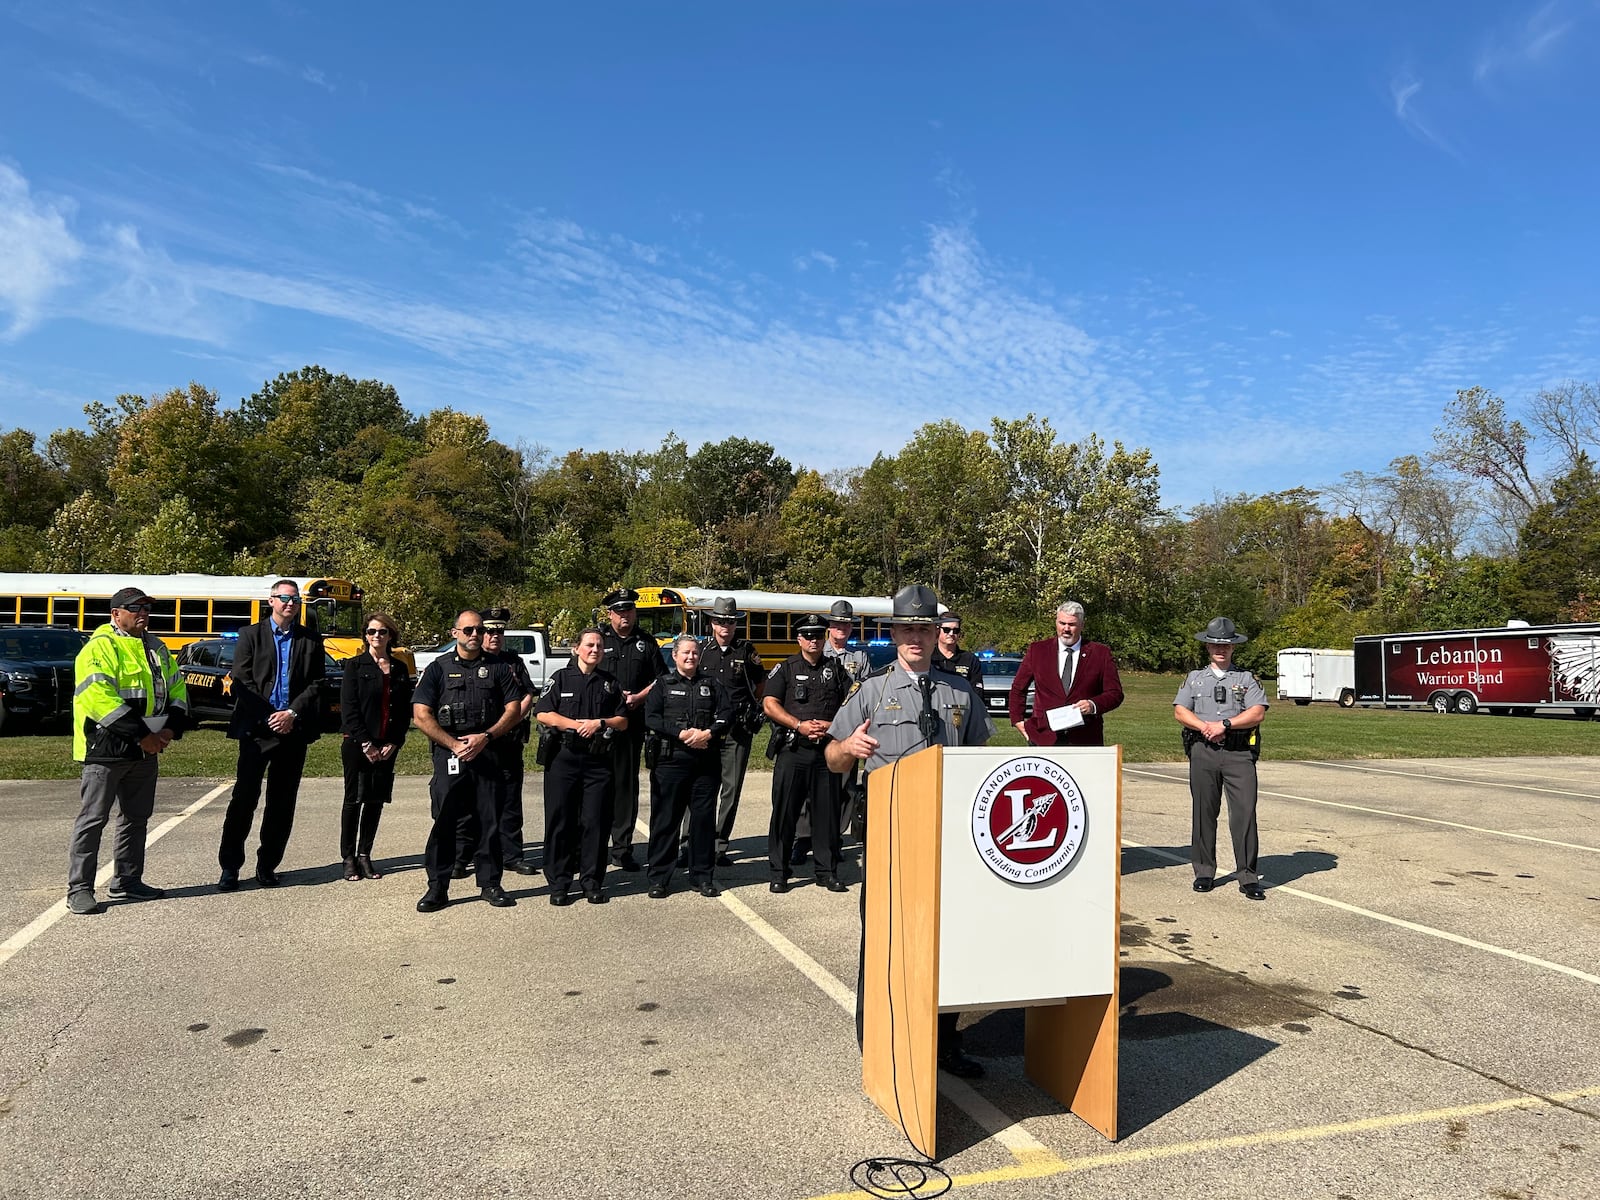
[1028,820]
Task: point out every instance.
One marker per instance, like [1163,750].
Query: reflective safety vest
[116,690]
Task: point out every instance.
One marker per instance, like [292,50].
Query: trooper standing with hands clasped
[1221,708]
[463,703]
[804,692]
[735,663]
[634,660]
[897,712]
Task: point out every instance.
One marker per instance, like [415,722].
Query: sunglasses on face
[286,599]
[470,630]
[136,608]
[951,632]
[380,631]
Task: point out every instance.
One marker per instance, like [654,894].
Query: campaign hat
[915,604]
[725,608]
[1221,632]
[842,610]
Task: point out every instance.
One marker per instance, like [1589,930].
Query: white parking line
[1490,783]
[20,940]
[1384,812]
[1400,922]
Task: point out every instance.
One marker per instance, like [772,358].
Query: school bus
[769,621]
[186,608]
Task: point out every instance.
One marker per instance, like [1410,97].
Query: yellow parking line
[1271,1137]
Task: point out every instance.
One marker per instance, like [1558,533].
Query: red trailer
[1516,670]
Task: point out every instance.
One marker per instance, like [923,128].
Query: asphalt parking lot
[1410,1013]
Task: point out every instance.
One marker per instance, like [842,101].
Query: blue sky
[1267,241]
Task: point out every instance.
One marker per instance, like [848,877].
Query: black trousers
[949,1035]
[577,819]
[625,750]
[280,767]
[801,776]
[513,773]
[368,786]
[686,781]
[476,790]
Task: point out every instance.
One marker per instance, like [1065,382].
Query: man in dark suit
[277,710]
[1066,672]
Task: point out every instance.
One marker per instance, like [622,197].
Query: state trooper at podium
[899,710]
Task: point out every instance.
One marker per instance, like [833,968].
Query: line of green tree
[318,472]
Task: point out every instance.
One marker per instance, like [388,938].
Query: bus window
[229,616]
[193,618]
[34,610]
[163,616]
[8,610]
[96,612]
[758,627]
[661,622]
[65,610]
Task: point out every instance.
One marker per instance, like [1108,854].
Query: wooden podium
[993,881]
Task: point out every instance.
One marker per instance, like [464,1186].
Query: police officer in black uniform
[463,703]
[949,656]
[688,714]
[735,663]
[580,715]
[803,693]
[634,660]
[509,750]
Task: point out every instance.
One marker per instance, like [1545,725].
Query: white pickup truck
[531,645]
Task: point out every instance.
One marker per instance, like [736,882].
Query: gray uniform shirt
[892,702]
[855,661]
[1199,693]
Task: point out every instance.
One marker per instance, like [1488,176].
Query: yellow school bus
[769,621]
[186,608]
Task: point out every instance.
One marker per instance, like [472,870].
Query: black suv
[205,667]
[36,673]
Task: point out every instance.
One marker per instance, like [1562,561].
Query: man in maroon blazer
[1066,670]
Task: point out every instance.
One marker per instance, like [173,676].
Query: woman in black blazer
[375,700]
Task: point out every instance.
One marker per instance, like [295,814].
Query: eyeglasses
[135,608]
[380,631]
[952,630]
[470,630]
[285,599]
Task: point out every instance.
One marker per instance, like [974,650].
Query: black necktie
[928,722]
[1066,672]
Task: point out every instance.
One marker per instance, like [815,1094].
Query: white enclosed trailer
[1306,675]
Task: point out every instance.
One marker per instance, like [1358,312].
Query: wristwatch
[1227,725]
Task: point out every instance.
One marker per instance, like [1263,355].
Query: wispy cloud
[1525,43]
[1403,91]
[37,251]
[804,262]
[585,337]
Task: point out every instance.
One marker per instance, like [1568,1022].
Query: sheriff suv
[36,674]
[205,665]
